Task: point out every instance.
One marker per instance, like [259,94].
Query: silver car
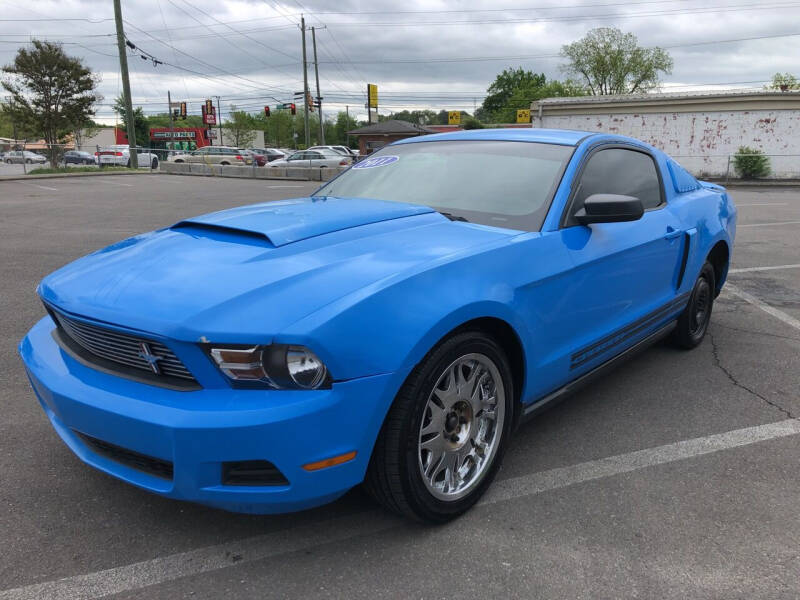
[313,158]
[24,156]
[214,155]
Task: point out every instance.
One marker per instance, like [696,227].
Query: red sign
[210,119]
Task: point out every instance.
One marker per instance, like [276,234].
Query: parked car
[259,159]
[391,329]
[24,156]
[77,157]
[120,155]
[313,158]
[340,149]
[214,155]
[270,153]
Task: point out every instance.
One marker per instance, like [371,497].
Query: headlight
[278,366]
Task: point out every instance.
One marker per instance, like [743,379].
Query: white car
[313,158]
[340,149]
[119,155]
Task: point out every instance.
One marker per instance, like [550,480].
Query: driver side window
[618,171]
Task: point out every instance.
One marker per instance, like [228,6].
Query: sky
[421,54]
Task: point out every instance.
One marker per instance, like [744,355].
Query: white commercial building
[700,130]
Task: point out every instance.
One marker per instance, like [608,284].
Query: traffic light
[293,108]
[266,111]
[310,102]
[183,110]
[209,107]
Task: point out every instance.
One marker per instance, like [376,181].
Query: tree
[524,95]
[506,83]
[140,125]
[162,120]
[240,128]
[784,82]
[609,61]
[51,93]
[345,123]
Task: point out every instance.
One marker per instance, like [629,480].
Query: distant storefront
[177,138]
[376,136]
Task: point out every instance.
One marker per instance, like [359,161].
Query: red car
[259,159]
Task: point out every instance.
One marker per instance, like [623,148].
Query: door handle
[672,233]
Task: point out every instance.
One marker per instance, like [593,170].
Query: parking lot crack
[737,383]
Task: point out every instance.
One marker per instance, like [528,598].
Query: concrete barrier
[172,167]
[249,172]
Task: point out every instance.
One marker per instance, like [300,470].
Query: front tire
[694,320]
[445,435]
[154,164]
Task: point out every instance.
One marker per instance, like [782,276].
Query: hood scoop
[286,221]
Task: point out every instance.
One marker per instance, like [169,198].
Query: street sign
[372,95]
[210,119]
[454,117]
[524,115]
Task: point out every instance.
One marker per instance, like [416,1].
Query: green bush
[472,123]
[750,163]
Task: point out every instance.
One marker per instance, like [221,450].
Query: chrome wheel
[461,427]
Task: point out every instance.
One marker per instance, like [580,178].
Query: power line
[248,82]
[581,17]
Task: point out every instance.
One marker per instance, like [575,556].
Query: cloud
[248,51]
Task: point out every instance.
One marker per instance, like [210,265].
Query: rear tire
[444,437]
[694,320]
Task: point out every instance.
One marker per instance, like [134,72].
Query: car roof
[563,137]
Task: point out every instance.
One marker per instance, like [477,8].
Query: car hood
[254,270]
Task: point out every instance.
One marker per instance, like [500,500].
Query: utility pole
[171,125]
[305,82]
[319,98]
[347,135]
[126,86]
[219,122]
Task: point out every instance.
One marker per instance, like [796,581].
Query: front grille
[123,353]
[141,462]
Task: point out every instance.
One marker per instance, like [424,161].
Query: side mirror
[609,208]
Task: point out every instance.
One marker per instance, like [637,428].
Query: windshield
[506,184]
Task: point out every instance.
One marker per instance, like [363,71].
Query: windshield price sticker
[377,161]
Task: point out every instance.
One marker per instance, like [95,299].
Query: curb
[65,175]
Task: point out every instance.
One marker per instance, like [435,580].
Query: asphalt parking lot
[676,476]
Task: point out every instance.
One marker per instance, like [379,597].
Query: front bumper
[199,430]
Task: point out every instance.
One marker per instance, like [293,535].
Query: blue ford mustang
[391,329]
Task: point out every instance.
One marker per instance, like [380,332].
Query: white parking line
[41,187]
[769,224]
[168,568]
[771,310]
[280,187]
[775,268]
[115,183]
